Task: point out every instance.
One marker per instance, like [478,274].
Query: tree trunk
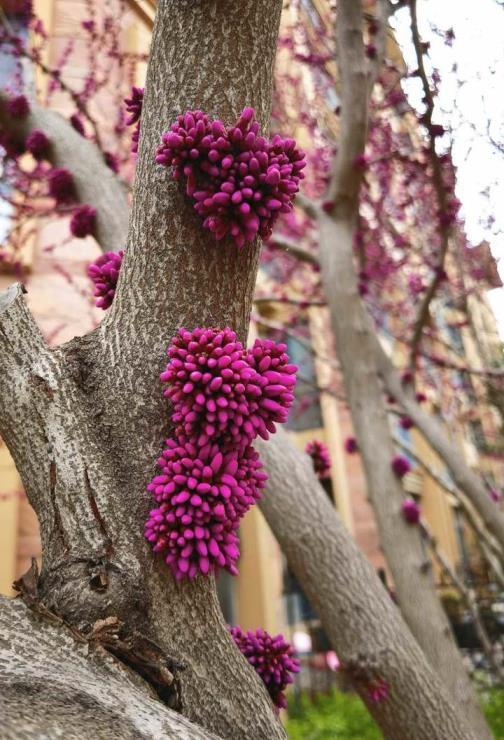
[85,421]
[356,350]
[359,617]
[54,685]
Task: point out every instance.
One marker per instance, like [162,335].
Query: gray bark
[356,349]
[53,684]
[359,617]
[88,418]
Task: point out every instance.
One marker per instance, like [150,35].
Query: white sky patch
[471,103]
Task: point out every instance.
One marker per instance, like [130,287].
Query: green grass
[341,716]
[493,706]
[333,716]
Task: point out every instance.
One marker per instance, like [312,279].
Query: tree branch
[359,617]
[462,475]
[95,183]
[55,686]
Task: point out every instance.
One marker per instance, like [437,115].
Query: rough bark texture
[52,685]
[463,477]
[92,411]
[356,349]
[359,617]
[95,183]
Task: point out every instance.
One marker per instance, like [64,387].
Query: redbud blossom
[410,511]
[219,389]
[37,143]
[83,221]
[400,465]
[61,185]
[77,124]
[321,459]
[104,272]
[202,495]
[18,106]
[378,690]
[134,108]
[406,422]
[271,657]
[238,181]
[351,445]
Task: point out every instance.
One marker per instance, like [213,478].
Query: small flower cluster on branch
[321,459]
[134,108]
[104,272]
[238,180]
[223,396]
[271,657]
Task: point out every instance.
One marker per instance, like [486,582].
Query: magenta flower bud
[272,657]
[228,485]
[238,181]
[410,511]
[321,459]
[83,221]
[406,422]
[77,124]
[134,108]
[400,465]
[351,445]
[61,185]
[104,272]
[18,106]
[378,690]
[37,143]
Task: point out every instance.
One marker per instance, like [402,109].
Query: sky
[471,103]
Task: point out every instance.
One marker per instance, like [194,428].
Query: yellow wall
[10,485]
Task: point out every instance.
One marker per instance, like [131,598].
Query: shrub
[329,716]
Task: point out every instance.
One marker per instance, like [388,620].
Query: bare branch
[359,617]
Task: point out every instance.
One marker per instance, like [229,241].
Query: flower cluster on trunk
[271,657]
[238,181]
[321,459]
[223,396]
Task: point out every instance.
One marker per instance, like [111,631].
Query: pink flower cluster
[18,106]
[83,221]
[400,465]
[378,690]
[271,657]
[61,185]
[134,108]
[238,180]
[410,511]
[202,494]
[220,389]
[321,459]
[351,445]
[104,272]
[37,143]
[223,396]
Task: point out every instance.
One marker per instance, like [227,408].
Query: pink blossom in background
[410,511]
[18,106]
[37,143]
[400,465]
[61,185]
[83,221]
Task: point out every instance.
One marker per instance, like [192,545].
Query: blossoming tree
[84,421]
